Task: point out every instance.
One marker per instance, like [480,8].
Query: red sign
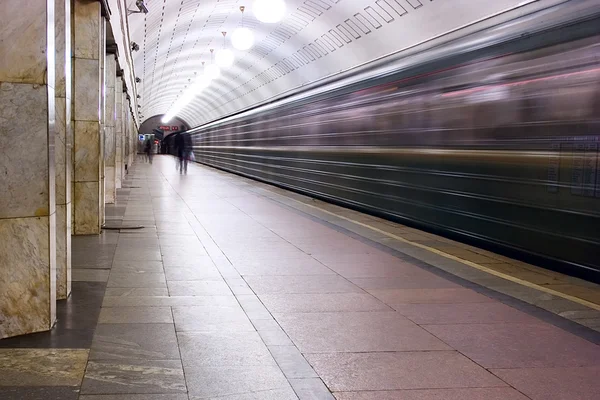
[168,128]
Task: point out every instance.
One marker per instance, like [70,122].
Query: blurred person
[183,144]
[148,150]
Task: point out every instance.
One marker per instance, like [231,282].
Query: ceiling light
[213,71]
[242,38]
[269,11]
[224,58]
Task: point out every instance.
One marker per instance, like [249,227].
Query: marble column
[27,187]
[63,147]
[110,121]
[102,119]
[119,132]
[87,135]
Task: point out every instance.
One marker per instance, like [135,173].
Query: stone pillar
[27,187]
[102,119]
[87,138]
[119,132]
[110,119]
[63,148]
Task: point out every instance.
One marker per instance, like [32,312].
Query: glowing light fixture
[269,11]
[201,83]
[224,57]
[212,71]
[242,38]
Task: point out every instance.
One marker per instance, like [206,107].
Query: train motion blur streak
[499,145]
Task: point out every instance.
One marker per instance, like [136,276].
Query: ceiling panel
[317,38]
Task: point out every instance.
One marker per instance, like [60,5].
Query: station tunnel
[300,199]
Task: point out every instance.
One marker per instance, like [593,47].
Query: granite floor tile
[133,315]
[344,372]
[169,301]
[414,280]
[435,394]
[186,261]
[222,381]
[134,341]
[227,348]
[133,376]
[465,313]
[135,292]
[134,397]
[292,363]
[283,268]
[134,279]
[89,275]
[192,273]
[39,393]
[199,288]
[429,296]
[137,267]
[274,337]
[211,319]
[322,302]
[518,345]
[301,284]
[137,255]
[270,394]
[356,332]
[42,367]
[311,389]
[554,383]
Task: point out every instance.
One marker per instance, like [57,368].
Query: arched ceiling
[317,38]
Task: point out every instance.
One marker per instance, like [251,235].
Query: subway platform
[212,286]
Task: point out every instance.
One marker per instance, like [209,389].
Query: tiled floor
[235,290]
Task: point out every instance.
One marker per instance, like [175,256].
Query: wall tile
[86,202]
[23,56]
[87,151]
[24,150]
[86,94]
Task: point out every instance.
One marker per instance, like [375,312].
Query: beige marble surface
[62,151]
[42,367]
[110,185]
[60,35]
[86,93]
[24,120]
[25,276]
[86,136]
[119,132]
[86,29]
[86,203]
[23,50]
[63,250]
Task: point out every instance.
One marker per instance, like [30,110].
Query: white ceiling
[317,38]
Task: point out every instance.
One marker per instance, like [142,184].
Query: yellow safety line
[463,261]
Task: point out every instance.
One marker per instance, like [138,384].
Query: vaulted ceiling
[316,38]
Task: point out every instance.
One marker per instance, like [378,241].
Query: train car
[491,139]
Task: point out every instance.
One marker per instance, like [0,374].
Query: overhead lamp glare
[213,71]
[242,39]
[269,11]
[224,58]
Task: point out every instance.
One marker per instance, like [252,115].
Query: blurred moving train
[491,139]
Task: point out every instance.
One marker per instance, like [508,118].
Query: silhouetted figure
[183,144]
[148,150]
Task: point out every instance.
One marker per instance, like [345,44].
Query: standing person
[181,153]
[148,149]
[187,147]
